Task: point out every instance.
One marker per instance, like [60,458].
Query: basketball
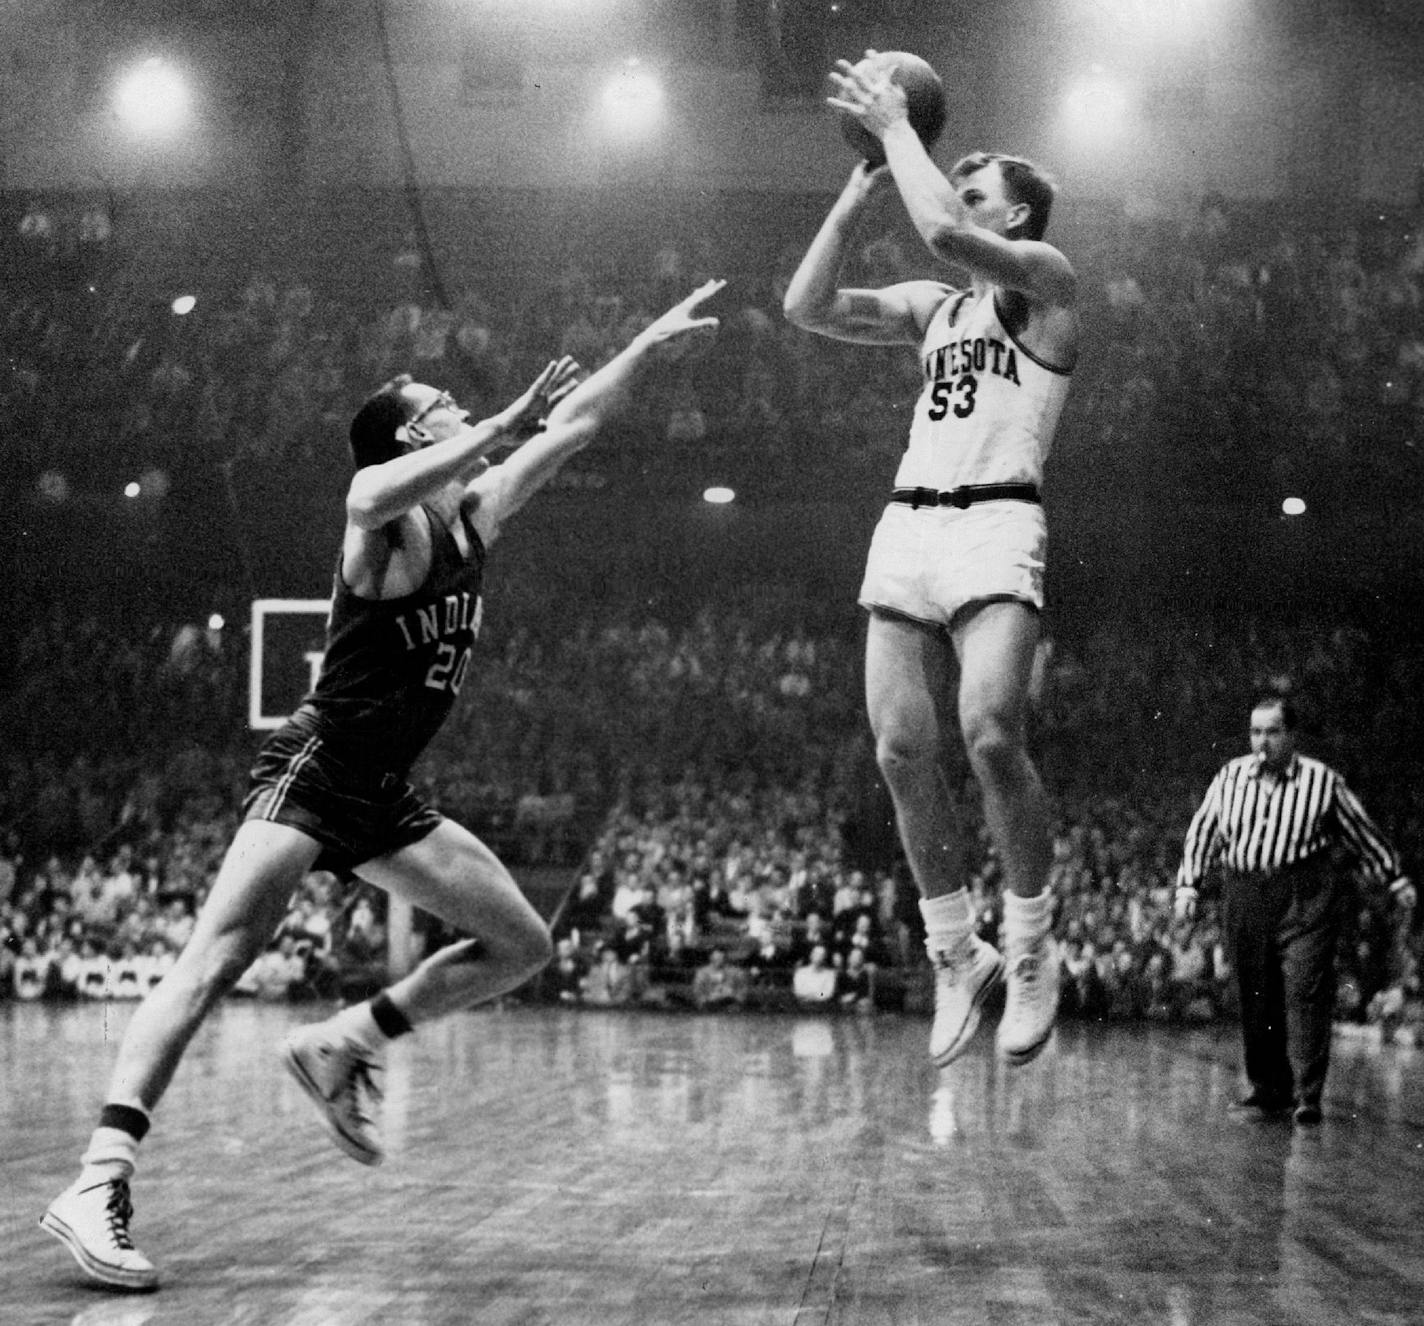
[924,94]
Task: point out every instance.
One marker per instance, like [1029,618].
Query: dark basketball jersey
[393,667]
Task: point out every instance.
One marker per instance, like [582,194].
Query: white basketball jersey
[989,407]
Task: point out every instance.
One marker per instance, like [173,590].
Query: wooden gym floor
[571,1166]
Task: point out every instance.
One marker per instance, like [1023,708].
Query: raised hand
[866,91]
[679,321]
[868,179]
[524,416]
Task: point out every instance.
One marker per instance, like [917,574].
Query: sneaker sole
[356,1149]
[971,1024]
[1018,1058]
[115,1276]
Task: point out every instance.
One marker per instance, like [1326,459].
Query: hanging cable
[410,184]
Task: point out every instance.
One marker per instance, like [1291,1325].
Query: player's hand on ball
[882,89]
[870,177]
[866,92]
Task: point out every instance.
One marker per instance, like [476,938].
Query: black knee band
[389,1018]
[126,1119]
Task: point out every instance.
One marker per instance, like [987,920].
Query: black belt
[967,496]
[1318,863]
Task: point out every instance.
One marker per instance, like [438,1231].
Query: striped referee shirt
[1254,822]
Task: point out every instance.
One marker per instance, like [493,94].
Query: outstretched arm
[576,419]
[814,300]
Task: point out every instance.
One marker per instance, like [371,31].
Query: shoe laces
[118,1212]
[1028,966]
[361,1084]
[951,964]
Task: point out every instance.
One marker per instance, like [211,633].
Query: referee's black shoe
[1307,1113]
[1256,1107]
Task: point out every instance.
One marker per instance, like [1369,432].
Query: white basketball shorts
[929,563]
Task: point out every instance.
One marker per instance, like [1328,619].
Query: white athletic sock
[949,921]
[1028,918]
[357,1024]
[112,1154]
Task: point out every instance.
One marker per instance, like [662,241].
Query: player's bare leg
[452,875]
[243,909]
[996,644]
[909,682]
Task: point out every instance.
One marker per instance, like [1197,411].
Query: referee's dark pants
[1281,929]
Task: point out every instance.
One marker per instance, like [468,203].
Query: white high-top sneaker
[341,1078]
[964,977]
[1031,1003]
[93,1223]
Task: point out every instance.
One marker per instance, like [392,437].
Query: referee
[1280,825]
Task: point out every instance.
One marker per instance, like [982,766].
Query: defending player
[955,570]
[329,789]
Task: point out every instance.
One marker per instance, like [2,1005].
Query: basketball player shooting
[329,789]
[954,577]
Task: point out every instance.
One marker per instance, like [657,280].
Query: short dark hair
[1275,700]
[1024,182]
[374,427]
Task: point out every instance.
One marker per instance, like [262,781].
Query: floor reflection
[567,1166]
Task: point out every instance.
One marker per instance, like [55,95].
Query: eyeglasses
[444,401]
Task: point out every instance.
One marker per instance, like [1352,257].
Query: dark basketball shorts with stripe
[356,814]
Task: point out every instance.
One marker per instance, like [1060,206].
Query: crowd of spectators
[716,889]
[720,854]
[690,866]
[706,771]
[1238,342]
